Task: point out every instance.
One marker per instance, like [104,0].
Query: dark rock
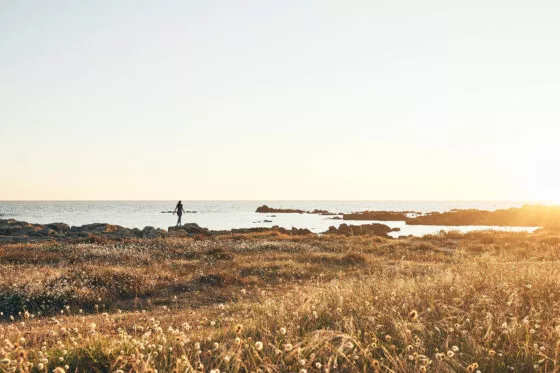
[189,229]
[96,228]
[377,215]
[321,212]
[362,230]
[58,227]
[266,209]
[151,232]
[275,229]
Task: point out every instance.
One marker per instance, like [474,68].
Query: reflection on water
[238,214]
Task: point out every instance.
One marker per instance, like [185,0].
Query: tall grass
[486,302]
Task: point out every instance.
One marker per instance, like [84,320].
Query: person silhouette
[179,210]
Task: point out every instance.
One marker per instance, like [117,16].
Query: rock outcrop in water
[377,215]
[266,209]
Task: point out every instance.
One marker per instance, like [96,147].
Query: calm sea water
[234,214]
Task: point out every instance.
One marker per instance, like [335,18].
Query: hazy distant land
[526,216]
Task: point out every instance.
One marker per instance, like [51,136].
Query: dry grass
[483,301]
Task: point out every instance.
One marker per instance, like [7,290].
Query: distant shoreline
[526,216]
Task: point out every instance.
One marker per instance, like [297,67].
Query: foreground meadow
[485,301]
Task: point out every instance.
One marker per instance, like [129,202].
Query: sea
[222,215]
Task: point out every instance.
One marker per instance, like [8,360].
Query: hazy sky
[290,99]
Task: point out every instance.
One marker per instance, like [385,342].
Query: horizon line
[280,200]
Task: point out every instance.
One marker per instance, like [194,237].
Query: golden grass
[483,301]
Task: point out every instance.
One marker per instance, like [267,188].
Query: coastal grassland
[483,301]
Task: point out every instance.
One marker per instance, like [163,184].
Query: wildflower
[5,361]
[283,331]
[59,370]
[450,354]
[491,353]
[238,328]
[288,347]
[422,369]
[197,346]
[454,348]
[303,371]
[259,346]
[318,365]
[413,315]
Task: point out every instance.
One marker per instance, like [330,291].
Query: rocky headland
[526,216]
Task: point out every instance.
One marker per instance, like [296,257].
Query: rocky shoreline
[14,231]
[527,216]
[270,210]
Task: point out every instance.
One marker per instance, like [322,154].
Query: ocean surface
[236,214]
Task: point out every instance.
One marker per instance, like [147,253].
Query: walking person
[179,210]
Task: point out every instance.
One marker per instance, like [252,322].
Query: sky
[291,99]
